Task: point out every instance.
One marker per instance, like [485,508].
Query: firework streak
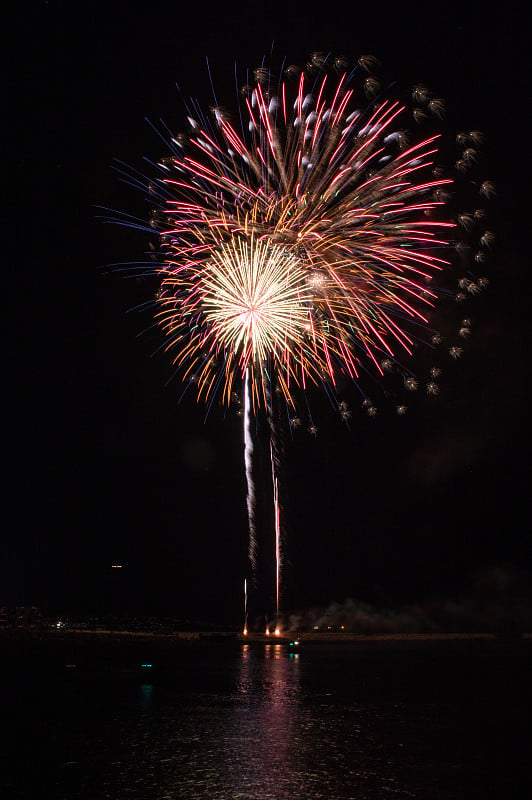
[298,246]
[248,461]
[277,524]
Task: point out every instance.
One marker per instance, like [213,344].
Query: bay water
[233,721]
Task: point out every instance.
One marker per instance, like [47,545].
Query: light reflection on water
[252,732]
[266,723]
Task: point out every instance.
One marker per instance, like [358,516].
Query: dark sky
[106,466]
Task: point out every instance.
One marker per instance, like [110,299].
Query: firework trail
[300,246]
[245,630]
[277,524]
[274,461]
[248,461]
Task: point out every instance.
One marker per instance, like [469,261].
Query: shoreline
[284,638]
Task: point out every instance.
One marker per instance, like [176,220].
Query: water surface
[255,722]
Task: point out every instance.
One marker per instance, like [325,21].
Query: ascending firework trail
[248,461]
[299,245]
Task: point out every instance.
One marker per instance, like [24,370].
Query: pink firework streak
[277,524]
[248,460]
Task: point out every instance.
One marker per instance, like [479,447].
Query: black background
[105,466]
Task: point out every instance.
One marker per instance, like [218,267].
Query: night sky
[104,465]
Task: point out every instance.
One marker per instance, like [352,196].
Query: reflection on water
[146,696]
[295,743]
[266,723]
[264,734]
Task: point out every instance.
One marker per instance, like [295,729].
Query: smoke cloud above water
[498,600]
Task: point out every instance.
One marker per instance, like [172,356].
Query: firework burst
[304,245]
